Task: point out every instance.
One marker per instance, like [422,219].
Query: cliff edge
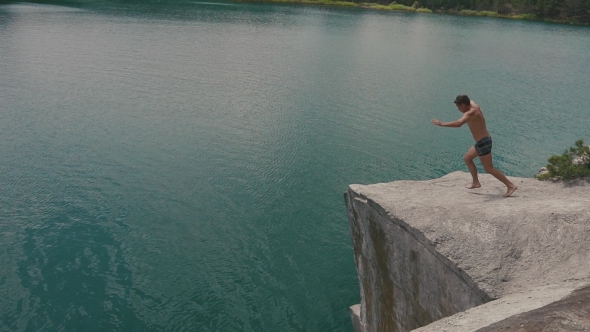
[426,250]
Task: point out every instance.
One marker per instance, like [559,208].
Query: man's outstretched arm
[454,124]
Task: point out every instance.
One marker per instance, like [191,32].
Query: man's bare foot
[510,191]
[474,186]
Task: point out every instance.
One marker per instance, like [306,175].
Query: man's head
[463,103]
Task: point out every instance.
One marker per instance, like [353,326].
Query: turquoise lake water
[181,166]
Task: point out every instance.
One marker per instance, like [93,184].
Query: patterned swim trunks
[484,146]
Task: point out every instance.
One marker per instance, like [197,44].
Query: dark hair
[462,99]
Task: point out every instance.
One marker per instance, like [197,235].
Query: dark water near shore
[181,166]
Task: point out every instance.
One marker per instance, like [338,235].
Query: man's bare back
[473,117]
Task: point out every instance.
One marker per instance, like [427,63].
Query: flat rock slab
[513,311]
[539,236]
[567,315]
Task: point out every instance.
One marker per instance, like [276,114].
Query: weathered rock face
[405,282]
[425,250]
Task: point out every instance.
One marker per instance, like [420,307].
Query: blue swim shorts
[484,146]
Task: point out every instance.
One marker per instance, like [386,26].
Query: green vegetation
[524,17]
[574,163]
[494,14]
[570,11]
[317,2]
[564,11]
[476,13]
[375,6]
[391,6]
[397,6]
[329,2]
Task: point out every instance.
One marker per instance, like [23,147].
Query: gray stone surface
[429,249]
[355,316]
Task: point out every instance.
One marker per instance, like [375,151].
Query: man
[473,117]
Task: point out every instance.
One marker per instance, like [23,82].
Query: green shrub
[476,13]
[381,7]
[572,164]
[392,6]
[397,6]
[487,13]
[343,3]
[524,17]
[423,10]
[323,2]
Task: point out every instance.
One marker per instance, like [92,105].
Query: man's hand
[436,122]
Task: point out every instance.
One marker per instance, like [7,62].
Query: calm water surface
[181,166]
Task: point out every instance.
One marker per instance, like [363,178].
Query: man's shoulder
[475,111]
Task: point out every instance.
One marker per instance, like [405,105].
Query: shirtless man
[473,116]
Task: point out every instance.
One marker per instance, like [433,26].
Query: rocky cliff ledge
[426,250]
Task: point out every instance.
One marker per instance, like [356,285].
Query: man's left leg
[488,165]
[468,159]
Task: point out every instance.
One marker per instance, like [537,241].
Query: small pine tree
[572,164]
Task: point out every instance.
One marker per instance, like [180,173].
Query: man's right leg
[488,164]
[468,159]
